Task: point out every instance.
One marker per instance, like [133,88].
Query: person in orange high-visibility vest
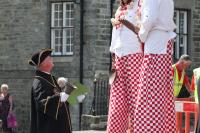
[180,78]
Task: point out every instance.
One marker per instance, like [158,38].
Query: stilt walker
[155,108]
[126,49]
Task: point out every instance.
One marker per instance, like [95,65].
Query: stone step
[103,118]
[101,126]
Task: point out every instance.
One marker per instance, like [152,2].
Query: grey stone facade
[196,33]
[25,28]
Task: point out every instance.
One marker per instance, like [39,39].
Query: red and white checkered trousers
[123,92]
[155,108]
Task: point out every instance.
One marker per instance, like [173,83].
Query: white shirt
[124,41]
[157,25]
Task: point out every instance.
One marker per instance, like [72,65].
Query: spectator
[62,83]
[5,107]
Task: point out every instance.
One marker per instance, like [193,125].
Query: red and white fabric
[121,14]
[155,108]
[123,93]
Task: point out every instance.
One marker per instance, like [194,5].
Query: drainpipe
[81,40]
[81,55]
[111,15]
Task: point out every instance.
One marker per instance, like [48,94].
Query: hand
[137,29]
[1,98]
[80,98]
[129,25]
[114,21]
[10,111]
[63,97]
[191,94]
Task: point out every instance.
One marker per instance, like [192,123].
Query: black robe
[48,114]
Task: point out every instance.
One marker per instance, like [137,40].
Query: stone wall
[196,33]
[23,30]
[96,42]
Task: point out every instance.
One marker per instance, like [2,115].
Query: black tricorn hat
[38,57]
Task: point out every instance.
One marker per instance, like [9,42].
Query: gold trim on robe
[45,106]
[57,109]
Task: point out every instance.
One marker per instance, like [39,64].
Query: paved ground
[89,131]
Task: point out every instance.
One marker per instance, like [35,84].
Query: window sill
[62,59]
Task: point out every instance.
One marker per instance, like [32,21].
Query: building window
[181,20]
[62,28]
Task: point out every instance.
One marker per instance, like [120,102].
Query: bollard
[187,106]
[179,122]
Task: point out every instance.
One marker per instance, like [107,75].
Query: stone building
[79,31]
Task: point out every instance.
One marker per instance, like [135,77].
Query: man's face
[4,91]
[47,63]
[186,64]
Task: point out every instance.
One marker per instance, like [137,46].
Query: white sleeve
[150,9]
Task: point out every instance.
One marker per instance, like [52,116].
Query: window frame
[185,33]
[63,28]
